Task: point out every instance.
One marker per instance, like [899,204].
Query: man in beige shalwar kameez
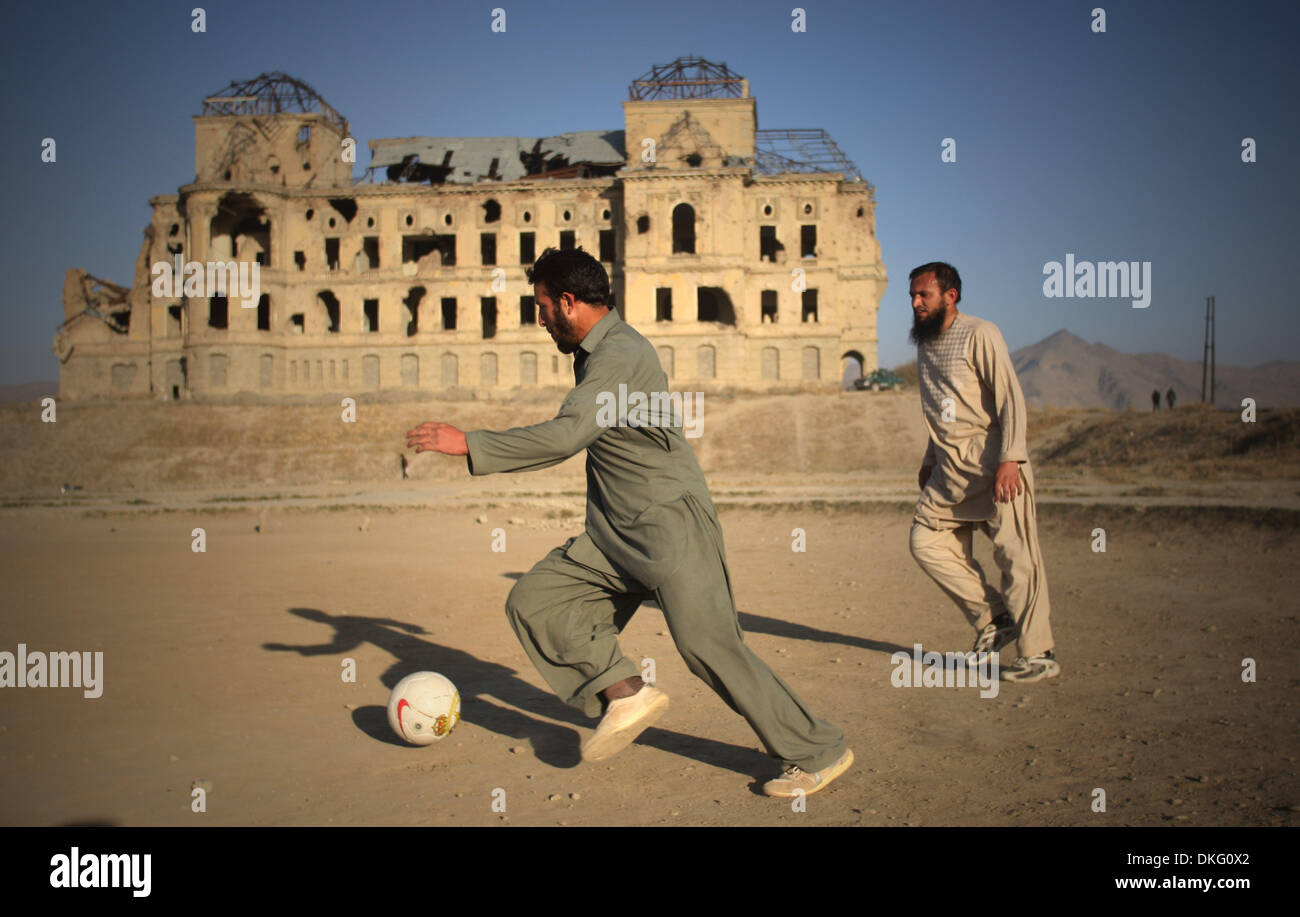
[976,476]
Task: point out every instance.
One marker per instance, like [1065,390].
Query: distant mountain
[1064,370]
[29,391]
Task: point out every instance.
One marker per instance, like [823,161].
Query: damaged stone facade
[413,279]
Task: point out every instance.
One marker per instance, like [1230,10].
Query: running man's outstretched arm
[534,447]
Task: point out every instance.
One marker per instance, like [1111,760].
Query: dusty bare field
[225,666]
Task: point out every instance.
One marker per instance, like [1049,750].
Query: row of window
[769,363]
[683,218]
[315,373]
[328,309]
[712,305]
[347,208]
[440,249]
[418,248]
[309,373]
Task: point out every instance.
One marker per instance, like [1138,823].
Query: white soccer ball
[424,707]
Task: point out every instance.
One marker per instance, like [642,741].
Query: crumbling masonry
[748,257]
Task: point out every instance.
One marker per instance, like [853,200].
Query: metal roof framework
[103,300]
[800,150]
[687,78]
[272,93]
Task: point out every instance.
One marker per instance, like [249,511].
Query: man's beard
[925,330]
[566,339]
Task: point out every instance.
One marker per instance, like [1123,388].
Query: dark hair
[571,271]
[944,274]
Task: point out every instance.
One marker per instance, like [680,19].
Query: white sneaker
[1035,668]
[624,720]
[795,779]
[1001,631]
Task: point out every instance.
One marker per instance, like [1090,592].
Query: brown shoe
[624,720]
[795,778]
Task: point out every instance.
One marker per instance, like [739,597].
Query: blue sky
[1117,146]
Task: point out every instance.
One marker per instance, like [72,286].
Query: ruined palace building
[748,257]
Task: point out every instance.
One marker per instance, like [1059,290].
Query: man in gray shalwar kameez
[651,532]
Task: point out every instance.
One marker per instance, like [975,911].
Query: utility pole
[1207,358]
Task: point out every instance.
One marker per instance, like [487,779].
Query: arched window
[684,229]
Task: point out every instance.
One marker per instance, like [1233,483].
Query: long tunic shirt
[637,475]
[975,412]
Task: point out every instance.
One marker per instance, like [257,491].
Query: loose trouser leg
[1014,531]
[947,558]
[700,609]
[568,617]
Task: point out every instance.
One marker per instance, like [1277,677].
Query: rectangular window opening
[808,241]
[218,312]
[664,304]
[810,305]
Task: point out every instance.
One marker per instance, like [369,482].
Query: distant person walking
[1169,398]
[975,476]
[1155,399]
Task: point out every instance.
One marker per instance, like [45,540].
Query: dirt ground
[223,669]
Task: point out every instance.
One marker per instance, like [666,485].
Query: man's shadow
[475,679]
[760,624]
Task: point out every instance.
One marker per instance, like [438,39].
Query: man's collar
[599,330]
[957,319]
